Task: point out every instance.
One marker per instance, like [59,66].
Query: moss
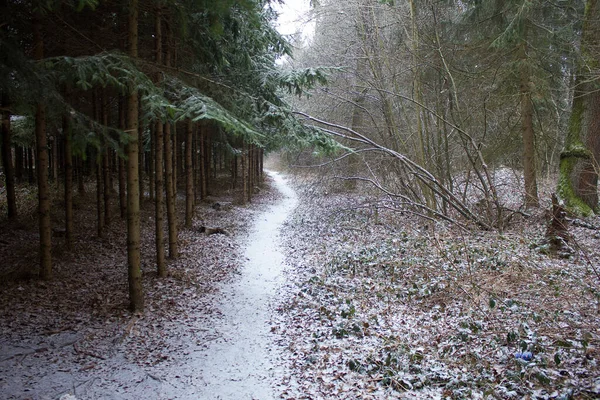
[577,150]
[565,189]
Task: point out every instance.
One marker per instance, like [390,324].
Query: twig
[87,353]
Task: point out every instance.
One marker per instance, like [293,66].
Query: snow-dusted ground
[334,302]
[244,362]
[205,333]
[391,306]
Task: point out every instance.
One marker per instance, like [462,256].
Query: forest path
[240,363]
[219,346]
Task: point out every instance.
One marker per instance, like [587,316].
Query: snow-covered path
[220,346]
[240,364]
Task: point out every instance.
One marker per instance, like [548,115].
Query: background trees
[455,92]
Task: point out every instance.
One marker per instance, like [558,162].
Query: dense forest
[445,155]
[132,94]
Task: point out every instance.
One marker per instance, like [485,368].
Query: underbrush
[389,306]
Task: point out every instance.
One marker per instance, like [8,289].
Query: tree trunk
[121,167]
[171,211]
[136,297]
[169,180]
[189,174]
[578,179]
[54,146]
[531,195]
[99,198]
[30,168]
[262,164]
[42,166]
[105,162]
[202,163]
[244,166]
[150,162]
[67,132]
[159,210]
[7,159]
[19,163]
[195,159]
[159,203]
[249,164]
[176,158]
[141,162]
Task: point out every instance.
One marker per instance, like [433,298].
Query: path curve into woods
[242,363]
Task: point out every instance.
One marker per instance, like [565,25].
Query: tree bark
[159,203]
[7,163]
[202,163]
[578,178]
[67,132]
[42,165]
[136,297]
[189,174]
[121,166]
[159,209]
[105,162]
[169,180]
[30,168]
[99,198]
[528,134]
[171,209]
[141,160]
[244,165]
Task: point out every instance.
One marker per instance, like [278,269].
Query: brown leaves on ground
[65,334]
[383,305]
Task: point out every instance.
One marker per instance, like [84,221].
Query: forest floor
[368,304]
[383,305]
[73,335]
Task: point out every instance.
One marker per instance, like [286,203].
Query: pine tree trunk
[19,163]
[54,146]
[209,156]
[176,158]
[159,203]
[202,163]
[159,210]
[244,166]
[249,164]
[141,162]
[234,171]
[67,132]
[121,167]
[189,174]
[99,198]
[136,297]
[30,168]
[7,163]
[42,167]
[105,163]
[171,208]
[262,164]
[195,160]
[531,195]
[150,161]
[107,188]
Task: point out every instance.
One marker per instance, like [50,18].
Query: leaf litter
[382,305]
[375,305]
[73,336]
